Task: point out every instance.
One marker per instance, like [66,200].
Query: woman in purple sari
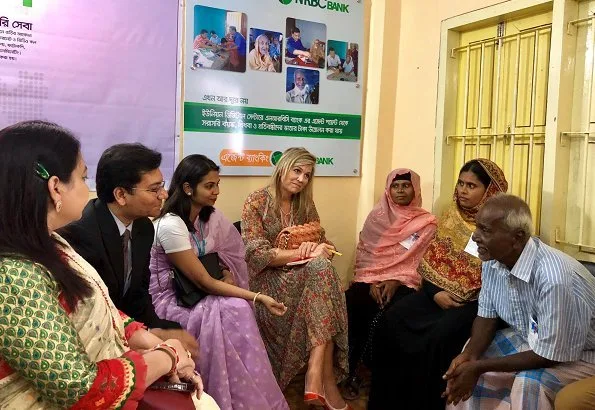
[233,361]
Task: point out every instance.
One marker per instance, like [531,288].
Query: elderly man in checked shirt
[545,297]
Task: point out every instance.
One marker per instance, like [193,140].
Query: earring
[188,193]
[58,206]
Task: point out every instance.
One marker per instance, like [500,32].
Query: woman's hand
[322,249]
[305,249]
[228,277]
[375,293]
[186,365]
[197,381]
[276,308]
[387,290]
[193,378]
[447,300]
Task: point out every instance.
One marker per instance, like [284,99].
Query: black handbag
[187,293]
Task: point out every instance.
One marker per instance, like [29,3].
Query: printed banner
[106,70]
[261,76]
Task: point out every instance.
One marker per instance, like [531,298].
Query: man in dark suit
[115,233]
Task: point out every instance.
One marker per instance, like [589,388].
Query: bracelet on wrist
[255,296]
[173,354]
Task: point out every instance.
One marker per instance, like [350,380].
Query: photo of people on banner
[340,64]
[303,86]
[306,43]
[219,39]
[265,50]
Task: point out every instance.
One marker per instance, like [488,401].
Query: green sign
[202,117]
[324,161]
[275,157]
[323,4]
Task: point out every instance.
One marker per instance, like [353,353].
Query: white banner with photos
[261,76]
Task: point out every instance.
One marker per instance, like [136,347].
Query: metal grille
[501,105]
[580,140]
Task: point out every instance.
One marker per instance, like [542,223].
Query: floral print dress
[316,310]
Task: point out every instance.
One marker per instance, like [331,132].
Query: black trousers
[362,311]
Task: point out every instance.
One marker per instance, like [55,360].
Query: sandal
[328,406]
[312,398]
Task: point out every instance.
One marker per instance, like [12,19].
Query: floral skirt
[316,314]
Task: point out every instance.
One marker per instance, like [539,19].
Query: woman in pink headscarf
[391,245]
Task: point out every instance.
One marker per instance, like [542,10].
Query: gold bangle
[173,354]
[255,296]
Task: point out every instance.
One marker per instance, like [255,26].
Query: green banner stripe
[271,110]
[28,3]
[275,133]
[217,118]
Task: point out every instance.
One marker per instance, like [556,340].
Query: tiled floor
[295,396]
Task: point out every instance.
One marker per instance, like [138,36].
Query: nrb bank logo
[323,4]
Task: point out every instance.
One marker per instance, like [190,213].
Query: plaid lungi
[527,390]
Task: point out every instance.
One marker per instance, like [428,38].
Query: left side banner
[107,70]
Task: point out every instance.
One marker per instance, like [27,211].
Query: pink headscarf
[380,256]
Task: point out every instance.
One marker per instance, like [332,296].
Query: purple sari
[233,361]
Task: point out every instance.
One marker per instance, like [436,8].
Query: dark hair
[123,165]
[331,49]
[295,30]
[27,148]
[213,32]
[192,170]
[223,40]
[233,28]
[402,177]
[203,31]
[479,171]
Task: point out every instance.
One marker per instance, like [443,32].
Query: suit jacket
[97,239]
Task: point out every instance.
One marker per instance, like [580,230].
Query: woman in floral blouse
[63,344]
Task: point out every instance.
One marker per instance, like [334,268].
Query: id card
[408,243]
[471,248]
[532,336]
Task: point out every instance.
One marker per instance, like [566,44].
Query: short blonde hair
[302,201]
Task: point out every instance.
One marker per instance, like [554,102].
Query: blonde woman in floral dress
[313,332]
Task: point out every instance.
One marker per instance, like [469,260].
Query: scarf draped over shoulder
[380,255]
[445,263]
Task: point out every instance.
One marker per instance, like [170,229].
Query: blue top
[240,42]
[293,45]
[274,50]
[548,298]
